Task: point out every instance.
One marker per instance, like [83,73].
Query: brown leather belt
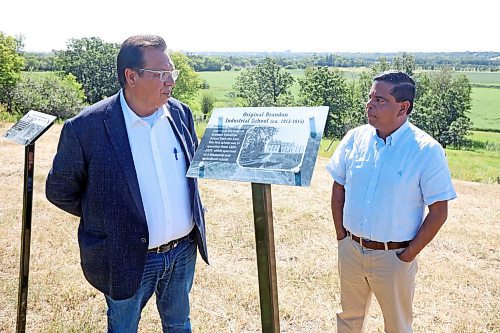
[374,245]
[170,245]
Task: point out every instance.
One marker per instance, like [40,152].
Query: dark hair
[403,86]
[131,53]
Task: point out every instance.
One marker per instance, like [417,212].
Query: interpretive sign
[268,145]
[30,127]
[25,132]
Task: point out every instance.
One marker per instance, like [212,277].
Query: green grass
[478,166]
[486,78]
[220,82]
[485,137]
[485,111]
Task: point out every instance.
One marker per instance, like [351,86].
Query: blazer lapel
[177,126]
[117,131]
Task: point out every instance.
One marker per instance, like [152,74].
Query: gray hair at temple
[403,86]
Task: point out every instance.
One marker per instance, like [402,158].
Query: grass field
[483,78]
[457,287]
[485,112]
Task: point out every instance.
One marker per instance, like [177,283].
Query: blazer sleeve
[67,179]
[191,128]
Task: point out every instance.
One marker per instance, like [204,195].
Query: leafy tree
[442,101]
[441,107]
[266,84]
[381,66]
[207,103]
[323,86]
[356,115]
[11,64]
[39,62]
[189,82]
[404,63]
[93,62]
[59,95]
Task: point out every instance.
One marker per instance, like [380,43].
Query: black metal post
[266,259]
[22,301]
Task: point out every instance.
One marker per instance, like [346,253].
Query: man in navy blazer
[120,166]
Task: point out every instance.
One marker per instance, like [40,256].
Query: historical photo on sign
[261,145]
[30,127]
[273,148]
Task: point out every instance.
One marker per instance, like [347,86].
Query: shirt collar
[131,118]
[395,136]
[399,132]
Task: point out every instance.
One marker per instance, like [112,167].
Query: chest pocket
[181,162]
[359,173]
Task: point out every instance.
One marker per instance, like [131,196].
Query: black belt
[374,245]
[170,245]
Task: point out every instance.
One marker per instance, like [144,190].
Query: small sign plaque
[30,127]
[269,145]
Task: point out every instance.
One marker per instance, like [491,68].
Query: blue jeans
[170,276]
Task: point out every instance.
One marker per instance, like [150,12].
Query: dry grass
[458,283]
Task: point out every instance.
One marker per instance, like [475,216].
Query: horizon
[203,52]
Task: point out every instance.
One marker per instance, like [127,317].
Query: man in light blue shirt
[385,174]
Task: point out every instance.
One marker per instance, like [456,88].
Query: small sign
[269,145]
[31,126]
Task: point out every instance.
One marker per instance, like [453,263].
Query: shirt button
[144,240]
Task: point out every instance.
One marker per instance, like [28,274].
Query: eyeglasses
[164,75]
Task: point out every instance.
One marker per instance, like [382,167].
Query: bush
[48,92]
[207,103]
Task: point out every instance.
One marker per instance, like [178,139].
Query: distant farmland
[485,112]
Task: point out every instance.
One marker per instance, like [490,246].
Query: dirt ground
[458,282]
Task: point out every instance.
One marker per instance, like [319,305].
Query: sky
[262,25]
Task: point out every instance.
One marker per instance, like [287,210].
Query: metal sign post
[25,132]
[24,266]
[266,259]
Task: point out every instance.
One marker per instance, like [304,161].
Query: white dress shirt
[388,184]
[161,167]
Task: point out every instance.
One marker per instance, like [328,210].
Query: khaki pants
[392,281]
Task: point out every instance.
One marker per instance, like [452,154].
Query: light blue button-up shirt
[388,184]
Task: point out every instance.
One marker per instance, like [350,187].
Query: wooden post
[266,259]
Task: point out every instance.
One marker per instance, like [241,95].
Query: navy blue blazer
[93,177]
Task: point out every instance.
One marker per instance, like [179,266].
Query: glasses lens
[169,75]
[175,74]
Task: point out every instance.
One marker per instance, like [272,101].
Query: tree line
[85,72]
[226,61]
[458,61]
[82,74]
[442,102]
